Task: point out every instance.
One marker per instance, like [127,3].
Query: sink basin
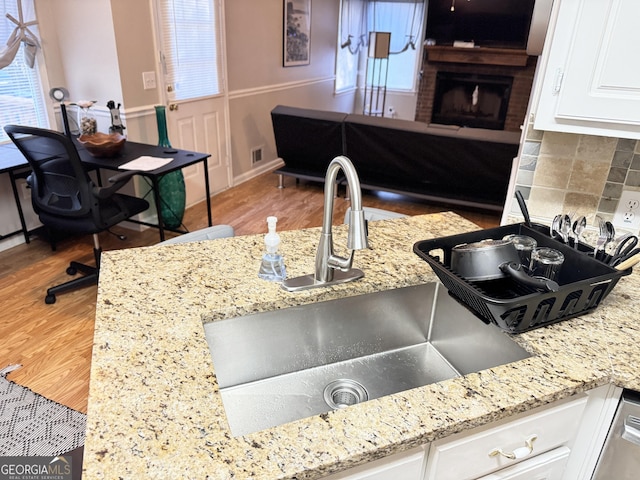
[283,365]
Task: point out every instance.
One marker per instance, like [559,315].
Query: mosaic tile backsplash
[577,174]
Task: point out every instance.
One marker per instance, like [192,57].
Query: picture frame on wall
[297,33]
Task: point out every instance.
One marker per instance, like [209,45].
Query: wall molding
[251,92]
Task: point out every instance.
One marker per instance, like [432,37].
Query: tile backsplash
[579,174]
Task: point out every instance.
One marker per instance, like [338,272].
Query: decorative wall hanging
[297,32]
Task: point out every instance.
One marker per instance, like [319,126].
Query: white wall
[258,81]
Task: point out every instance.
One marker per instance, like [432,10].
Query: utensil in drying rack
[523,208]
[625,244]
[605,235]
[611,234]
[629,262]
[565,227]
[625,248]
[554,230]
[578,229]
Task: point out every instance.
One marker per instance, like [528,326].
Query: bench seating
[448,164]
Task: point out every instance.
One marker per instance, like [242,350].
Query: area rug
[32,425]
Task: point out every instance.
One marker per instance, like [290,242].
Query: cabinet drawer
[466,456]
[401,466]
[547,466]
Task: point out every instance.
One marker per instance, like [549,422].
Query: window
[189,47]
[403,18]
[21,97]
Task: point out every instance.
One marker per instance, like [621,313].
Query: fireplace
[471,100]
[483,63]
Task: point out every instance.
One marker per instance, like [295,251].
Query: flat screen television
[488,23]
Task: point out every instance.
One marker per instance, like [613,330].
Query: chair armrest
[118,181]
[123,176]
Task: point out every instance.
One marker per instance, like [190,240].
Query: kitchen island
[154,406]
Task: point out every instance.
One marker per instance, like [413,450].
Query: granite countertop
[155,410]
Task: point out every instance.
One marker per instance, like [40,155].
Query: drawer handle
[518,452]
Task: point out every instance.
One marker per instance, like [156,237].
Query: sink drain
[344,392]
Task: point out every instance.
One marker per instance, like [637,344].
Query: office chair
[66,199]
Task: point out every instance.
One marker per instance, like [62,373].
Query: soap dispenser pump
[272,265]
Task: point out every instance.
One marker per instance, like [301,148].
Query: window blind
[21,97]
[189,47]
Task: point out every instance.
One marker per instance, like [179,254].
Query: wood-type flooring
[54,342]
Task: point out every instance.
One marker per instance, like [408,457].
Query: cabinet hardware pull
[557,84]
[518,453]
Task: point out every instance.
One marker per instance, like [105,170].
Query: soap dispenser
[272,266]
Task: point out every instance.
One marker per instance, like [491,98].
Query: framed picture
[297,32]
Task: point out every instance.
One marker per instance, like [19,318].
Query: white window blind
[188,32]
[21,98]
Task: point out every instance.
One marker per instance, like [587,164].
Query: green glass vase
[171,186]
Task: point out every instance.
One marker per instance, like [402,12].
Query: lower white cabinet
[559,441]
[401,466]
[470,455]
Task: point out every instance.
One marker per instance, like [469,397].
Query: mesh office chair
[66,199]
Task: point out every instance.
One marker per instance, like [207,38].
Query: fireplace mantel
[481,55]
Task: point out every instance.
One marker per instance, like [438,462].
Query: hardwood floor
[54,342]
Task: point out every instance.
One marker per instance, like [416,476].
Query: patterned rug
[32,425]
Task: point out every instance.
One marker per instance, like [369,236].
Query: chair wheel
[71,271]
[50,299]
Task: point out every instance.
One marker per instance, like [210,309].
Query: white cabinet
[569,435]
[591,78]
[470,455]
[401,466]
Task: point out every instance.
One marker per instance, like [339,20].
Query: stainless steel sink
[280,366]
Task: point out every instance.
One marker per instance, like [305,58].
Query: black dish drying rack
[514,307]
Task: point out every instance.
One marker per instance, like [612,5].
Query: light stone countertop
[154,406]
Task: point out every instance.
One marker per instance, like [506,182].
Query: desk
[13,163]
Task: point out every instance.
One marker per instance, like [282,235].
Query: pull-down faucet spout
[330,268]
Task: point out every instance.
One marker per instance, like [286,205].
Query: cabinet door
[548,466]
[402,466]
[592,78]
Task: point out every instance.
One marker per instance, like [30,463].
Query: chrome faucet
[332,269]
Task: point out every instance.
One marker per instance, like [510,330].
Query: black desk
[13,163]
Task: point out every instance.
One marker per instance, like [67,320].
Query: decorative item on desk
[87,123]
[116,121]
[171,186]
[103,144]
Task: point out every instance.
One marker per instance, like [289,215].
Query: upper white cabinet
[591,78]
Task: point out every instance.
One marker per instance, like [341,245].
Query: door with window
[190,38]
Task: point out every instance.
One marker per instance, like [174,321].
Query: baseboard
[254,172]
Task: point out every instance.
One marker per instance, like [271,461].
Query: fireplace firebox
[471,100]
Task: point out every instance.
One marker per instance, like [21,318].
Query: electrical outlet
[149,80]
[627,215]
